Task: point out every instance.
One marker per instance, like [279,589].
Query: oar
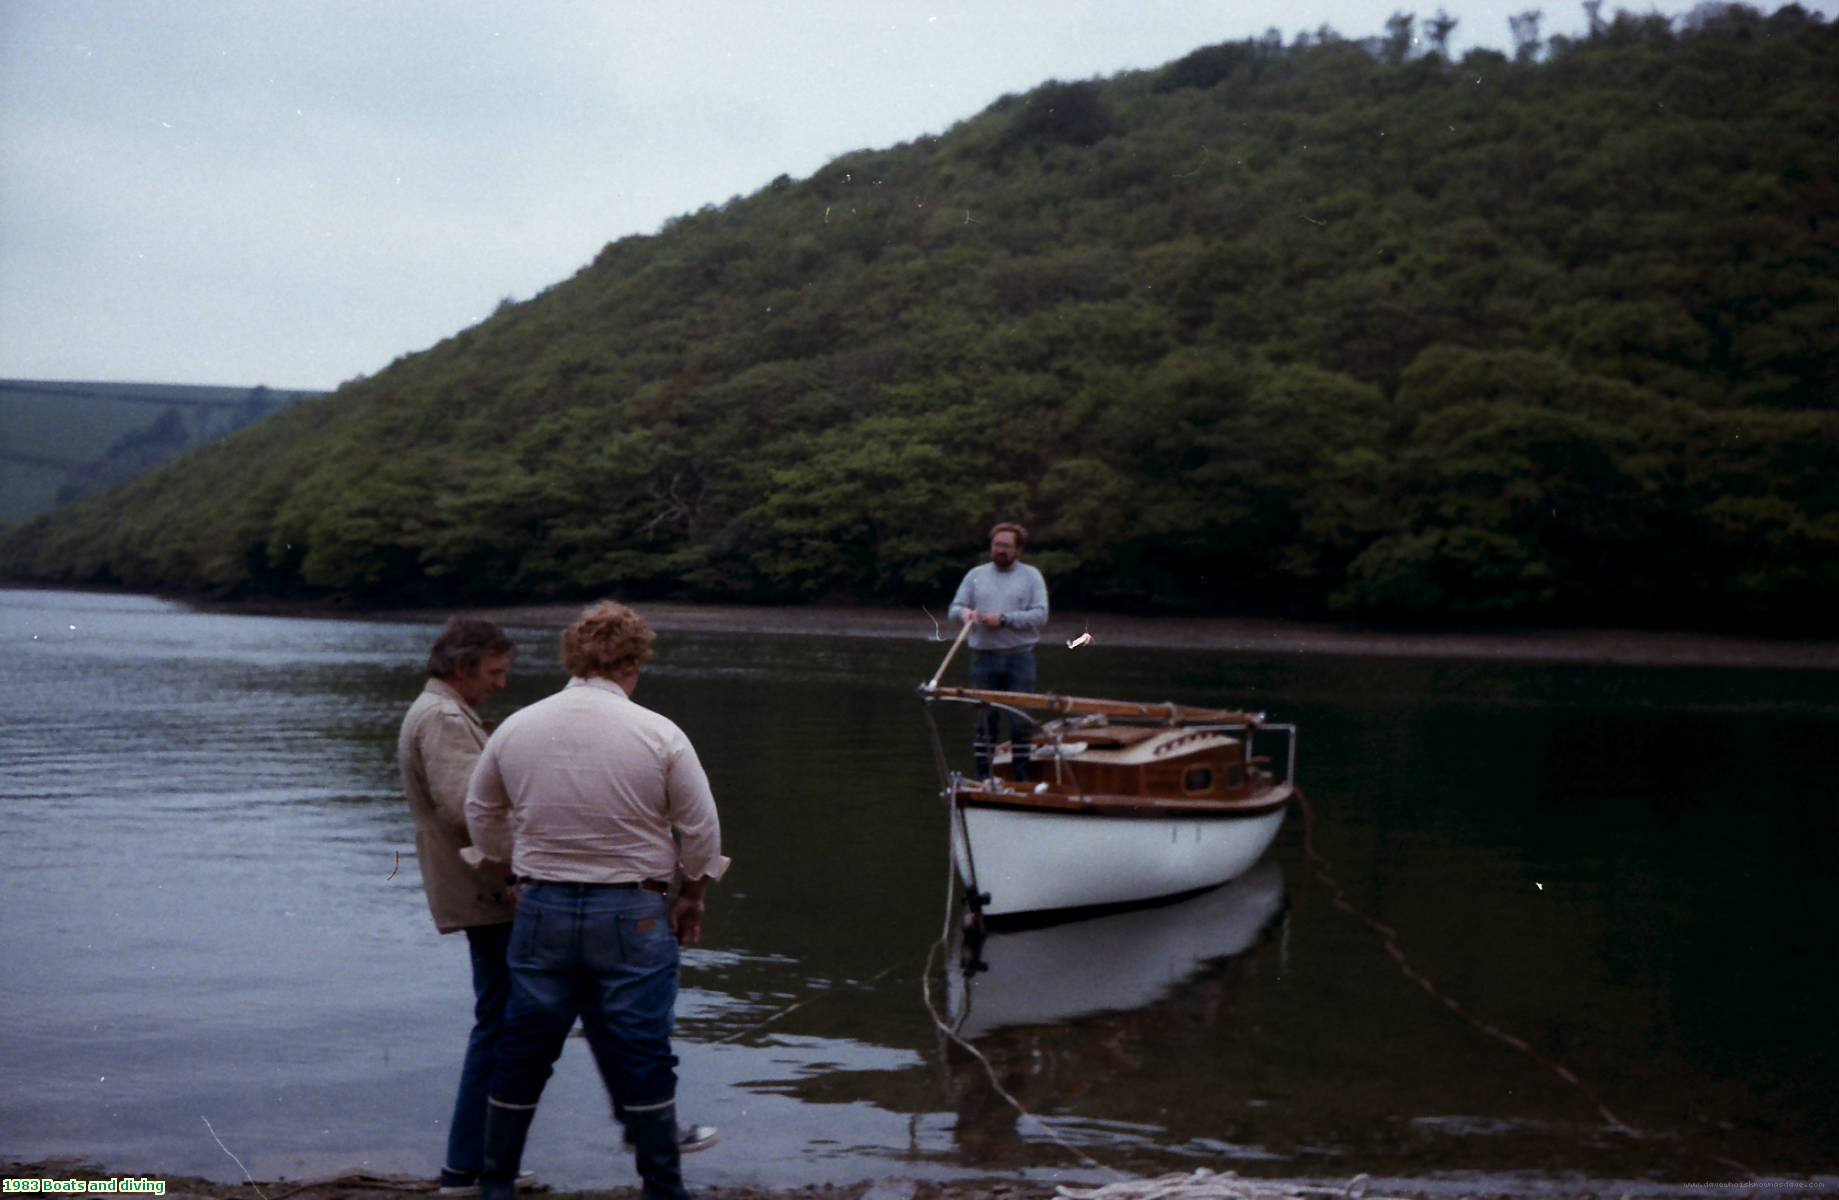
[962,634]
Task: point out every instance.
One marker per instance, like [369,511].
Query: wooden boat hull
[1035,859]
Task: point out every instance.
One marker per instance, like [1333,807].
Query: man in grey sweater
[1005,603]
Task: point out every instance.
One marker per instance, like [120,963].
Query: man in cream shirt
[599,805]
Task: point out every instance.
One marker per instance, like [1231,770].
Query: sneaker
[690,1138]
[457,1183]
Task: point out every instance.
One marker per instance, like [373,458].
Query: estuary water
[1598,939]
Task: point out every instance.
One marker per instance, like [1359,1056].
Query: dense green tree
[1334,328]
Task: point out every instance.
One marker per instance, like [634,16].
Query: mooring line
[1337,896]
[233,1158]
[989,1068]
[1203,1184]
[798,1004]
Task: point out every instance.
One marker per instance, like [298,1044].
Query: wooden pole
[1069,705]
[940,673]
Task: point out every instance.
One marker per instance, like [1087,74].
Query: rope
[1324,872]
[1210,1185]
[233,1158]
[738,1034]
[989,1069]
[1201,1185]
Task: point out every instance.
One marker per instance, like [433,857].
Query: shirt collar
[445,690]
[605,685]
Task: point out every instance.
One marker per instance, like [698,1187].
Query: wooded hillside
[1325,328]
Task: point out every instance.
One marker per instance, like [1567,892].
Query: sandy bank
[1229,635]
[1202,1184]
[1225,635]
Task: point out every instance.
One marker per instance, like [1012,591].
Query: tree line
[1319,329]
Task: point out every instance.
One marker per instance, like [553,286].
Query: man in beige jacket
[441,739]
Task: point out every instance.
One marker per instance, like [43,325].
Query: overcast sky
[296,192]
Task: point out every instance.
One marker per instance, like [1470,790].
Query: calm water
[1629,869]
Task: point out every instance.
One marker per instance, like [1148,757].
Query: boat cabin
[1098,756]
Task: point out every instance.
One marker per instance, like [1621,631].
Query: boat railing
[1077,713]
[948,778]
[1289,732]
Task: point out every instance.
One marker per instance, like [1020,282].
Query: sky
[298,192]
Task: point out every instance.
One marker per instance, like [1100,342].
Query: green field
[1334,330]
[26,488]
[62,439]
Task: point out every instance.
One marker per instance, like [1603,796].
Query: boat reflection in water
[1070,1009]
[1113,963]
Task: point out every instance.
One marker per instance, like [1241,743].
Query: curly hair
[464,643]
[606,641]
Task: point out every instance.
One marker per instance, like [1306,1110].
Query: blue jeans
[607,956]
[491,987]
[1013,672]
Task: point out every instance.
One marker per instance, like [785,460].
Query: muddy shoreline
[1230,635]
[1202,1184]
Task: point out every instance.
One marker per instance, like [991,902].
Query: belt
[650,885]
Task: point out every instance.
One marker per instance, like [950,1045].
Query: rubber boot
[654,1150]
[505,1131]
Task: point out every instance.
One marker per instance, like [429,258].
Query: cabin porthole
[1197,779]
